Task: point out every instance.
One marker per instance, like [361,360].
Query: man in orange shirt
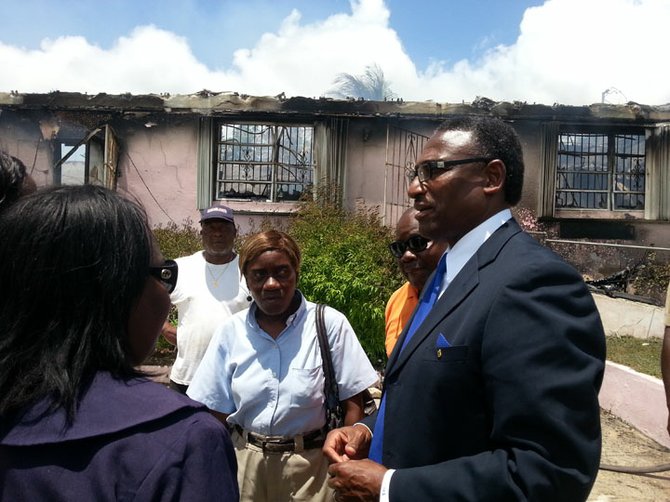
[417,258]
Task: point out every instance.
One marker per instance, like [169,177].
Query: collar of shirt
[290,321]
[108,405]
[468,245]
[276,386]
[412,292]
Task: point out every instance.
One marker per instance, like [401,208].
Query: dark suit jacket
[510,410]
[131,440]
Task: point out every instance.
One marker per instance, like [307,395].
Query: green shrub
[174,241]
[347,265]
[178,240]
[346,262]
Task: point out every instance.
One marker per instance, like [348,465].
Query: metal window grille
[402,149]
[600,171]
[268,162]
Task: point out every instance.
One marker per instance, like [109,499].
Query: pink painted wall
[637,399]
[158,166]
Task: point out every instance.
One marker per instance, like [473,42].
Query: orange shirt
[398,311]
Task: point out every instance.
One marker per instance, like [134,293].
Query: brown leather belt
[311,440]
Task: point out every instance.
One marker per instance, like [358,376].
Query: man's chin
[428,229]
[417,277]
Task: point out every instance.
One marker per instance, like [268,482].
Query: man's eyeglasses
[415,244]
[426,170]
[166,274]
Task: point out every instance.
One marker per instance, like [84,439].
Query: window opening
[600,171]
[73,169]
[92,159]
[268,162]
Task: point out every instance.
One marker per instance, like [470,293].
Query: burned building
[598,172]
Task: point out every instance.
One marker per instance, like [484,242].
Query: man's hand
[356,480]
[347,443]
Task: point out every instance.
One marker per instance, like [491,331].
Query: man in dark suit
[491,393]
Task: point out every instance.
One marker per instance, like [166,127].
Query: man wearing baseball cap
[209,289]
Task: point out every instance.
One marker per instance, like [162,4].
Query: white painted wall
[625,317]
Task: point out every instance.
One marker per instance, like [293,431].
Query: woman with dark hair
[14,180]
[263,375]
[84,297]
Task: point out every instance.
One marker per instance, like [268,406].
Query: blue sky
[429,29]
[545,51]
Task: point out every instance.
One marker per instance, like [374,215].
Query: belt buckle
[278,446]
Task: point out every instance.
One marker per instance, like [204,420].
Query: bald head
[416,266]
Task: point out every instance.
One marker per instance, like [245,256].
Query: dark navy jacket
[495,397]
[130,440]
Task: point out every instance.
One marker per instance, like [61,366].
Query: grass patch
[641,354]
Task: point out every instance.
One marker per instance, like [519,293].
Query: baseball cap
[217,212]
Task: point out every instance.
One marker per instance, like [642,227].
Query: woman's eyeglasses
[166,274]
[415,244]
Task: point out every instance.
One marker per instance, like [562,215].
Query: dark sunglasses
[426,170]
[415,244]
[166,274]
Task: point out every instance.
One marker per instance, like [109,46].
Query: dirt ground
[624,445]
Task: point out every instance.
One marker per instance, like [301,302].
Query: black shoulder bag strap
[334,411]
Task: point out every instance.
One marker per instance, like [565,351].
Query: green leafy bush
[178,240]
[346,262]
[174,241]
[347,265]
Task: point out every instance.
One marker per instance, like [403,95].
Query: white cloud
[304,59]
[149,60]
[568,51]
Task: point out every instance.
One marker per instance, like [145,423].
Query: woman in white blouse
[263,375]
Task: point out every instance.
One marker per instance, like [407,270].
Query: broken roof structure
[597,171]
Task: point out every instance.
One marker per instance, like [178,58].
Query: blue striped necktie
[422,311]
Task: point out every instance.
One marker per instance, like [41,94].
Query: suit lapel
[459,288]
[466,280]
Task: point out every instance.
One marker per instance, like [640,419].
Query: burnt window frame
[274,161]
[600,164]
[101,156]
